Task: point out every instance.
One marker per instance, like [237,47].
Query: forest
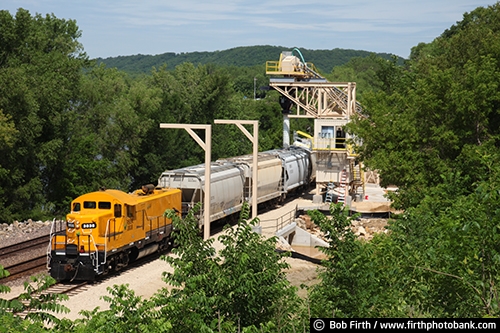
[243,56]
[430,126]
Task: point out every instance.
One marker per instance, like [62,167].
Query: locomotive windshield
[93,205]
[89,205]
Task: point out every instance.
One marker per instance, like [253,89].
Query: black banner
[332,324]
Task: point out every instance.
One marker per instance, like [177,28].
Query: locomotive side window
[89,204]
[104,205]
[118,210]
[76,207]
[130,210]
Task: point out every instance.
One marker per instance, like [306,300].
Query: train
[108,229]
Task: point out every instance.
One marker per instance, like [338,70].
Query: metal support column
[255,143]
[207,146]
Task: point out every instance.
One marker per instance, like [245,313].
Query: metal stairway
[329,192]
[344,182]
[358,178]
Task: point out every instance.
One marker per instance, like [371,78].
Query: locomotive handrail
[108,233]
[164,225]
[49,247]
[159,225]
[106,241]
[114,234]
[150,226]
[96,252]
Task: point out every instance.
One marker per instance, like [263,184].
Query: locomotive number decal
[89,225]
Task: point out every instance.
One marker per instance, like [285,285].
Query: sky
[113,28]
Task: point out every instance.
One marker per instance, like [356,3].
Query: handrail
[272,66]
[90,240]
[49,247]
[106,241]
[304,134]
[281,221]
[335,143]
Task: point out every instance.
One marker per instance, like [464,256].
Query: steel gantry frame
[318,99]
[255,151]
[207,147]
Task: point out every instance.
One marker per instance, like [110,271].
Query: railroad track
[69,289]
[24,258]
[7,251]
[74,288]
[26,268]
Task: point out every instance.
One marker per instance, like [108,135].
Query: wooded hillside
[248,56]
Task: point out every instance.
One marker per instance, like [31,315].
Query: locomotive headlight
[77,224]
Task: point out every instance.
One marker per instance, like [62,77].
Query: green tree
[432,131]
[37,305]
[40,67]
[446,99]
[107,131]
[366,72]
[127,313]
[197,95]
[241,286]
[7,138]
[7,131]
[358,279]
[453,244]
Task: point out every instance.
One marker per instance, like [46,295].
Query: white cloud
[112,28]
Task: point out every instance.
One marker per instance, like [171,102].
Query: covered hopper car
[280,172]
[226,186]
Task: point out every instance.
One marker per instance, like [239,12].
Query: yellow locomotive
[107,229]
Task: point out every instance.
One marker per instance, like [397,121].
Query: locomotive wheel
[164,244]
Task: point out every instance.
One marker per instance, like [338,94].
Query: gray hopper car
[297,168]
[280,172]
[226,188]
[269,171]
